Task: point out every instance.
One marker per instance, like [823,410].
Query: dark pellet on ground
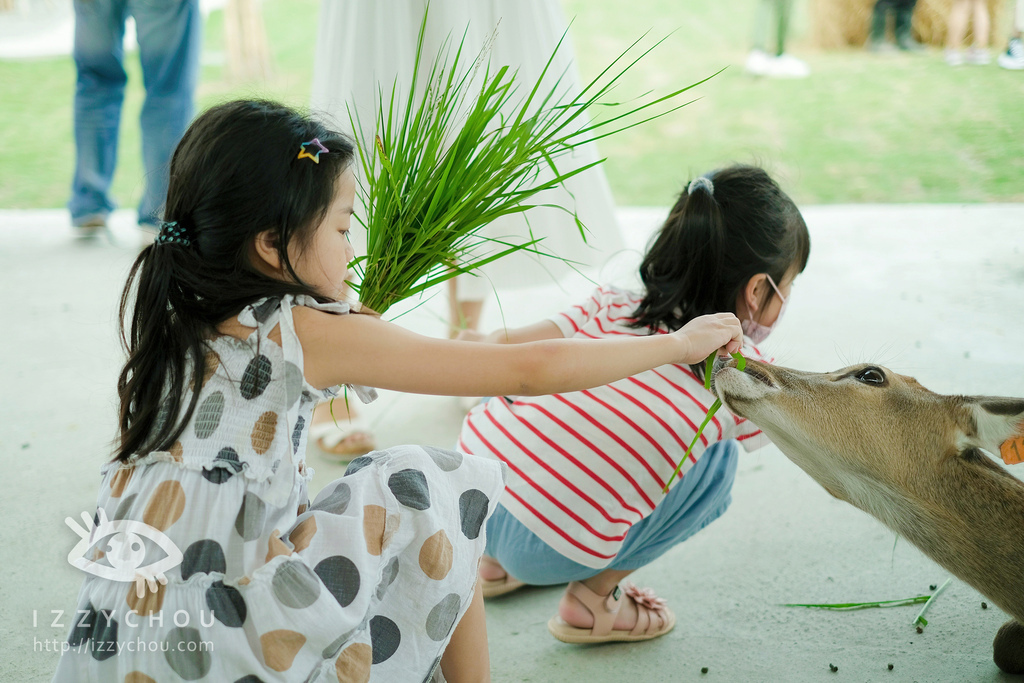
[24,446]
[890,667]
[703,669]
[984,605]
[920,630]
[932,587]
[833,668]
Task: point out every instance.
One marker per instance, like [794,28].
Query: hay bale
[845,23]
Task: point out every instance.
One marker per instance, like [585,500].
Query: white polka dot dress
[366,583]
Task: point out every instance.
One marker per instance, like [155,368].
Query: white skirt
[363,46]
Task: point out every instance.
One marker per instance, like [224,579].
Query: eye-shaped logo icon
[125,551]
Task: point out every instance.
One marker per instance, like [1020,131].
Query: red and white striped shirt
[587,465]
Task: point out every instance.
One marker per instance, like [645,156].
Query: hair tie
[172,233]
[701,181]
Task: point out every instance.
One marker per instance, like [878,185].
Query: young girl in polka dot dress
[234,331]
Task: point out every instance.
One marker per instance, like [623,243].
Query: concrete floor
[930,291]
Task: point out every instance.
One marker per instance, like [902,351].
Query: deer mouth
[752,370]
[735,387]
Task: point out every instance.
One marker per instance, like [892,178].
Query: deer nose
[721,362]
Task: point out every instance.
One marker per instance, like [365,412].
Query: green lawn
[863,128]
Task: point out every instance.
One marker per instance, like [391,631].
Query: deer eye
[871,375]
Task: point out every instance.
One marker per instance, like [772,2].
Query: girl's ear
[751,293]
[266,250]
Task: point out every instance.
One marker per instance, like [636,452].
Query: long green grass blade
[741,364]
[711,413]
[919,619]
[850,606]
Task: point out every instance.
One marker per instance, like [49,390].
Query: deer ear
[999,426]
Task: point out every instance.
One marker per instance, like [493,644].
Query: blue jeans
[698,499]
[169,34]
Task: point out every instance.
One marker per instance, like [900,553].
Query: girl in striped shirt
[584,501]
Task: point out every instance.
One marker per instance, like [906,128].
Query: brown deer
[911,458]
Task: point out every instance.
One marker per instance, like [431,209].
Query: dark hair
[235,174]
[714,241]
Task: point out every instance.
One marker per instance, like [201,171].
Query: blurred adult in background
[778,64]
[1013,58]
[959,13]
[903,11]
[169,37]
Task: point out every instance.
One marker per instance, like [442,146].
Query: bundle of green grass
[447,162]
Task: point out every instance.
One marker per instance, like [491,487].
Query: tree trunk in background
[845,23]
[245,41]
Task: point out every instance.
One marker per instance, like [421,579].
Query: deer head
[910,457]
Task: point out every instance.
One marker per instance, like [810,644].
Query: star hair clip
[315,143]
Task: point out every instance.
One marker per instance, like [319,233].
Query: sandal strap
[330,435]
[643,621]
[648,605]
[604,607]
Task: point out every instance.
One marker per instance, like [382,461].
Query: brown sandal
[653,618]
[492,588]
[333,440]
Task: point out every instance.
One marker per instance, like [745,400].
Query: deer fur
[909,457]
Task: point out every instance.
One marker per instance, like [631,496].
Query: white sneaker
[758,63]
[788,66]
[1013,58]
[89,226]
[978,56]
[954,57]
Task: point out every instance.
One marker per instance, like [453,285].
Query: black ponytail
[725,228]
[235,174]
[667,276]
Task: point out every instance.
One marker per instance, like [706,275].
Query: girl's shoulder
[316,323]
[265,314]
[318,330]
[604,296]
[265,310]
[617,295]
[293,323]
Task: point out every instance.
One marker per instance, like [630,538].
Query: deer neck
[970,521]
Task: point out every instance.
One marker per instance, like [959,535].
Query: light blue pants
[169,34]
[691,504]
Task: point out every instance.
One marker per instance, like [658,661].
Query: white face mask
[755,330]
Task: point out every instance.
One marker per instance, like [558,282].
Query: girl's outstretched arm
[363,349]
[545,329]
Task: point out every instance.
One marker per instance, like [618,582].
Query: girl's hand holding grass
[707,334]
